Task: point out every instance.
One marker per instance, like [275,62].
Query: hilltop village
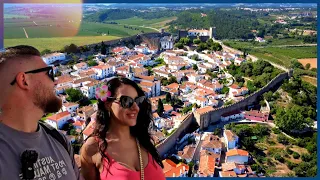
[186,78]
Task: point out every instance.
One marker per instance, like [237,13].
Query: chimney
[173,175]
[180,171]
[184,168]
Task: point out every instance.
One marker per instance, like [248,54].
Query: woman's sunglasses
[49,69]
[127,102]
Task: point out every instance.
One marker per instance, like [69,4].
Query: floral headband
[103,93]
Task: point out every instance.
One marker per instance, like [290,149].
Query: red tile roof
[237,152]
[59,116]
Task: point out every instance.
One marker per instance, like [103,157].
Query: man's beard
[46,100]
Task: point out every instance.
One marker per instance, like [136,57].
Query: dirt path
[25,32]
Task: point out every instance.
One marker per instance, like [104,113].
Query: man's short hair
[18,51]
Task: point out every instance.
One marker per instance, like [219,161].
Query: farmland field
[311,80]
[156,23]
[58,42]
[311,61]
[283,56]
[279,55]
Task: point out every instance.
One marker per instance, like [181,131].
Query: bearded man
[28,149]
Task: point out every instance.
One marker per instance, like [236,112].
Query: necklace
[141,162]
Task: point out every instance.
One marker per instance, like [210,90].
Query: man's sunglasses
[49,69]
[127,102]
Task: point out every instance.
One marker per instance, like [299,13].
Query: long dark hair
[139,131]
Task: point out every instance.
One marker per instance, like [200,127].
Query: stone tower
[212,33]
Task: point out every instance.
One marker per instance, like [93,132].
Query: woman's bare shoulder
[91,146]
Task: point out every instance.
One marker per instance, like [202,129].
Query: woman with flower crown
[121,147]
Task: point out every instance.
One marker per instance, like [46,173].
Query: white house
[70,107]
[104,71]
[142,49]
[166,42]
[50,58]
[187,153]
[212,143]
[237,155]
[58,120]
[79,125]
[239,61]
[89,89]
[196,32]
[80,66]
[232,115]
[231,139]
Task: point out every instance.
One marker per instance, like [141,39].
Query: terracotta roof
[255,113]
[64,79]
[201,99]
[234,86]
[80,65]
[230,135]
[212,141]
[149,78]
[70,104]
[229,166]
[59,116]
[168,164]
[228,174]
[207,163]
[89,128]
[187,152]
[167,107]
[237,152]
[204,109]
[176,170]
[172,86]
[118,49]
[155,115]
[78,123]
[102,67]
[145,89]
[144,83]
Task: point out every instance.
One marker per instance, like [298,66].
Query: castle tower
[212,33]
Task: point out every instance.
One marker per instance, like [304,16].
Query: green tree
[74,95]
[196,41]
[168,97]
[296,155]
[160,108]
[178,45]
[292,119]
[46,51]
[225,90]
[92,63]
[308,66]
[172,79]
[195,67]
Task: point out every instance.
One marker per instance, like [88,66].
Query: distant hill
[116,14]
[229,25]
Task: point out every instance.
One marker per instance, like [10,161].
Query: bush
[306,157]
[276,130]
[283,139]
[278,157]
[291,165]
[296,155]
[288,150]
